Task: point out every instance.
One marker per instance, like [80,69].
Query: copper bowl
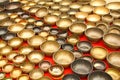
[93,17]
[45,78]
[5,50]
[77,28]
[113,59]
[94,34]
[81,67]
[112,40]
[88,58]
[71,76]
[36,74]
[73,39]
[64,23]
[56,70]
[3,62]
[2,44]
[36,41]
[60,57]
[16,73]
[96,75]
[2,75]
[114,73]
[23,77]
[98,52]
[98,3]
[52,48]
[78,54]
[26,34]
[86,8]
[113,5]
[35,57]
[8,68]
[68,47]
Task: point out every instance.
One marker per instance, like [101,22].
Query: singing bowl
[98,3]
[77,28]
[36,41]
[98,75]
[64,23]
[3,16]
[26,34]
[86,8]
[8,21]
[26,67]
[57,13]
[16,72]
[114,30]
[99,65]
[113,5]
[51,38]
[103,26]
[94,34]
[98,52]
[64,9]
[43,34]
[23,77]
[72,39]
[84,46]
[35,57]
[31,20]
[71,77]
[54,31]
[3,62]
[2,44]
[55,7]
[30,26]
[81,67]
[93,17]
[60,57]
[107,18]
[81,15]
[11,55]
[36,74]
[62,34]
[68,47]
[25,50]
[2,75]
[51,19]
[3,30]
[78,54]
[112,40]
[33,9]
[114,73]
[90,24]
[39,23]
[8,68]
[88,58]
[75,5]
[56,70]
[65,2]
[64,15]
[5,50]
[41,12]
[37,30]
[116,22]
[113,59]
[61,41]
[52,48]
[46,28]
[115,13]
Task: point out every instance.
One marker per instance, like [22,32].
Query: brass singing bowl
[2,75]
[72,39]
[52,48]
[88,58]
[39,23]
[8,68]
[15,42]
[78,28]
[51,38]
[35,57]
[102,26]
[94,34]
[78,54]
[114,73]
[75,5]
[2,44]
[13,15]
[86,8]
[41,12]
[60,57]
[45,78]
[65,2]
[31,20]
[64,23]
[33,9]
[57,1]
[11,55]
[51,19]
[98,52]
[36,74]
[90,25]
[114,30]
[115,13]
[3,16]
[107,18]
[113,5]
[36,41]
[55,6]
[64,15]
[98,3]
[5,50]
[26,34]
[98,75]
[93,17]
[16,72]
[43,34]
[112,40]
[26,67]
[25,50]
[81,15]
[71,76]
[8,21]
[3,62]
[64,9]
[56,70]
[23,77]
[116,22]
[57,13]
[113,59]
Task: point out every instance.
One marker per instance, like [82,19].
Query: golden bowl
[112,40]
[102,26]
[13,15]
[36,41]
[26,34]
[86,8]
[115,13]
[2,44]
[41,12]
[5,50]
[2,75]
[51,19]
[57,1]
[116,22]
[41,2]
[65,2]
[98,52]
[43,34]
[64,9]
[94,34]
[55,6]
[36,74]
[113,59]
[45,78]
[6,22]
[33,9]
[93,17]
[3,16]
[90,24]
[57,13]
[98,3]
[51,38]
[23,77]
[52,48]
[81,15]
[75,5]
[8,68]
[25,50]
[114,73]
[3,62]
[46,28]
[31,20]
[107,18]
[64,15]
[114,30]
[38,23]
[78,28]
[15,42]
[56,70]
[64,23]
[63,57]
[26,67]
[11,55]
[16,72]
[113,5]
[73,39]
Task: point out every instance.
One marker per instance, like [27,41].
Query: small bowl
[114,30]
[77,28]
[88,58]
[5,50]
[61,41]
[73,39]
[72,12]
[64,9]
[54,31]
[65,2]
[113,5]
[56,70]
[112,40]
[96,75]
[98,52]
[39,23]
[2,75]
[98,3]
[37,30]
[60,57]
[30,26]
[64,23]
[115,13]
[62,34]
[90,24]
[46,28]
[103,26]
[68,47]
[81,15]
[114,73]
[93,17]
[8,21]
[55,7]
[113,59]
[3,16]
[116,22]
[36,74]
[84,46]
[99,65]
[23,77]
[84,70]
[51,38]
[45,65]
[52,48]
[43,34]
[11,55]
[3,62]
[3,44]
[16,72]
[35,57]
[71,76]
[94,34]
[75,5]
[78,54]
[86,8]
[107,18]
[3,30]
[8,68]
[33,9]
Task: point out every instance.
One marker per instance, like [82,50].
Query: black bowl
[71,77]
